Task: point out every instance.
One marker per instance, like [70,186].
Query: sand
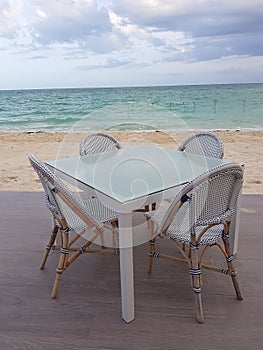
[17,175]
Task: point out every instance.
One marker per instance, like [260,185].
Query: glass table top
[135,172]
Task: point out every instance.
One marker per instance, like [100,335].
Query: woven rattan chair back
[97,143]
[210,198]
[73,217]
[203,143]
[200,216]
[61,200]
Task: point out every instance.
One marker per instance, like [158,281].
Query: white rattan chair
[199,217]
[97,143]
[82,225]
[204,143]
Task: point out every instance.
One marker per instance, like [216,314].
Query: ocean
[168,108]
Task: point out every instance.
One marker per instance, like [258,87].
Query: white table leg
[126,266]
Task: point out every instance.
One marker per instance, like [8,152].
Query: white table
[128,179]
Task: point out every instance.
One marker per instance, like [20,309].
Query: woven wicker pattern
[179,228]
[97,143]
[214,200]
[80,223]
[205,143]
[199,217]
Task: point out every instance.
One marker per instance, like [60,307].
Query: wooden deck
[87,312]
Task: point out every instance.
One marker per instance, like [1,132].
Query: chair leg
[237,288]
[115,237]
[150,254]
[151,246]
[49,246]
[230,264]
[64,251]
[196,275]
[199,307]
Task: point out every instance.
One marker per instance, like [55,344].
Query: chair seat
[99,211]
[212,235]
[179,228]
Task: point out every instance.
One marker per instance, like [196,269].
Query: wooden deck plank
[87,312]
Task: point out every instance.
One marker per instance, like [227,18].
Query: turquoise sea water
[202,107]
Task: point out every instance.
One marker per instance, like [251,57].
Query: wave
[44,121]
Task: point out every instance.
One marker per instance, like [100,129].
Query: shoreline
[244,147]
[84,131]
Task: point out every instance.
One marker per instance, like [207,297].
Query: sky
[105,43]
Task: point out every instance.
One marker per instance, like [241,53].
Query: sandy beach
[17,175]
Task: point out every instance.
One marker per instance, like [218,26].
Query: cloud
[130,37]
[239,45]
[69,21]
[199,17]
[217,28]
[110,63]
[44,23]
[10,16]
[38,57]
[183,29]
